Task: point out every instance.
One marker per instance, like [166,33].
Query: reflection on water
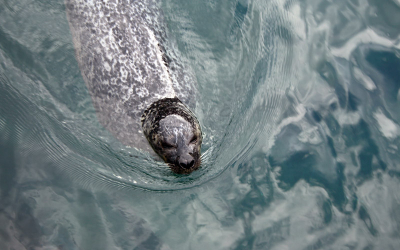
[299,106]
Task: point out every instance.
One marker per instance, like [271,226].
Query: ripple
[63,127]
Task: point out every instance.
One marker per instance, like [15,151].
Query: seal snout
[186,161]
[174,133]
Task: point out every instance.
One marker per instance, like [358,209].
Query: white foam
[388,128]
[348,118]
[365,37]
[365,80]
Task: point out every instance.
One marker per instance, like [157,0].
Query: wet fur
[126,63]
[151,121]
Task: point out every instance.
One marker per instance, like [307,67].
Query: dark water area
[298,102]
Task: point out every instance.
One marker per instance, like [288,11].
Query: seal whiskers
[174,133]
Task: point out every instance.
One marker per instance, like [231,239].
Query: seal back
[119,49]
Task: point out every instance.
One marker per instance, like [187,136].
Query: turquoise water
[298,102]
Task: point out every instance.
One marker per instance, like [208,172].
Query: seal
[141,91]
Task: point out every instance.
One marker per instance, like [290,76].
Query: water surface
[298,102]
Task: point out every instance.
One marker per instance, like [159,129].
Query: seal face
[174,133]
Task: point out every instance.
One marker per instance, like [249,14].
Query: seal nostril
[185,164]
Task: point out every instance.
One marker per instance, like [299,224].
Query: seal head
[174,133]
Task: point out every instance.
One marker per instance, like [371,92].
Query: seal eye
[194,139]
[166,145]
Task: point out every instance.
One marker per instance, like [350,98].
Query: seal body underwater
[141,94]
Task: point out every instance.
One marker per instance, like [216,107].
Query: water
[299,107]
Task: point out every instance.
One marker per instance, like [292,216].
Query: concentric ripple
[242,77]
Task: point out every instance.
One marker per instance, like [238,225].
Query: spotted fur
[151,120]
[126,62]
